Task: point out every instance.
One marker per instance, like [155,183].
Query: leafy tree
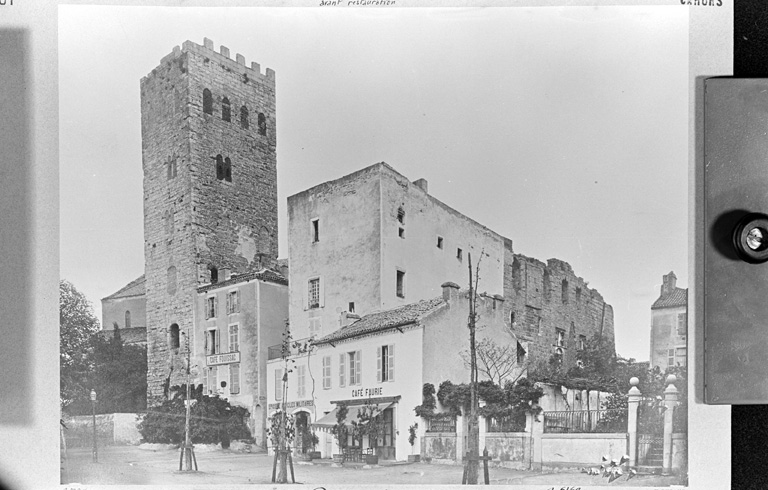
[120,375]
[77,326]
[212,419]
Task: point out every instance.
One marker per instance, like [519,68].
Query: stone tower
[210,188]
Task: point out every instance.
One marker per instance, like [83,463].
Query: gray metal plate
[735,292]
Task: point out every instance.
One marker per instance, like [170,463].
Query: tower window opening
[214,275]
[219,167]
[207,102]
[262,124]
[174,336]
[244,118]
[228,169]
[226,112]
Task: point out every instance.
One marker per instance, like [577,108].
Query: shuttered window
[327,372]
[385,362]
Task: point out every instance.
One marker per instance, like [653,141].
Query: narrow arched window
[228,169]
[226,113]
[262,124]
[207,102]
[564,291]
[127,318]
[219,167]
[171,280]
[174,341]
[244,118]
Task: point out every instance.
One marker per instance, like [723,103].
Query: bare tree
[497,362]
[473,426]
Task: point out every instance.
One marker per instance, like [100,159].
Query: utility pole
[473,428]
[187,450]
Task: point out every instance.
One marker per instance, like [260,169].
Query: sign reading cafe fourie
[227,358]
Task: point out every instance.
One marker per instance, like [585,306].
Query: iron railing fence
[586,421]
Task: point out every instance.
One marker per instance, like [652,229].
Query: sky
[563,129]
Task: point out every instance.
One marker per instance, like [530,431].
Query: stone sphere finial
[671,379]
[634,381]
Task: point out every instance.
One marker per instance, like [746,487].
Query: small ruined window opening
[459,254]
[582,342]
[578,295]
[174,336]
[512,318]
[228,169]
[564,291]
[172,168]
[401,232]
[440,242]
[401,215]
[351,308]
[560,342]
[547,286]
[262,124]
[400,284]
[214,274]
[127,318]
[207,102]
[315,230]
[521,353]
[244,123]
[226,112]
[219,167]
[171,280]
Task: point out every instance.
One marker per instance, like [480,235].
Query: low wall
[508,449]
[439,446]
[579,450]
[111,429]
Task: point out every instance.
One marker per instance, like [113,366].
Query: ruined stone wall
[542,298]
[194,219]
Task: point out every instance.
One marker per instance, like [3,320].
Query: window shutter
[215,306]
[322,292]
[205,347]
[205,380]
[378,364]
[358,358]
[229,303]
[217,337]
[237,302]
[391,362]
[342,367]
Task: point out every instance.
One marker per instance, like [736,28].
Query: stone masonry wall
[192,220]
[546,297]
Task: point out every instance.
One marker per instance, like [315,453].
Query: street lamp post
[187,451]
[93,407]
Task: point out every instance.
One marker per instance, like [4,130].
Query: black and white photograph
[376,246]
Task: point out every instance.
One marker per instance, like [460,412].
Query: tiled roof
[133,288]
[263,275]
[137,335]
[384,320]
[678,297]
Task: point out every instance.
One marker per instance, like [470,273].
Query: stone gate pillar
[670,402]
[634,397]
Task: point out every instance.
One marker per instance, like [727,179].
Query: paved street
[134,466]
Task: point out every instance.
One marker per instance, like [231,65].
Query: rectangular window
[278,384]
[342,370]
[327,372]
[354,368]
[440,242]
[210,311]
[459,254]
[560,337]
[385,363]
[316,230]
[400,285]
[682,324]
[233,305]
[213,381]
[401,232]
[234,378]
[301,381]
[314,293]
[681,355]
[234,338]
[671,357]
[315,326]
[582,342]
[211,342]
[351,308]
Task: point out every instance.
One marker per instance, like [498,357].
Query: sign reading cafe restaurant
[218,359]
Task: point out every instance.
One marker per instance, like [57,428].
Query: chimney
[450,291]
[421,184]
[348,318]
[669,284]
[226,273]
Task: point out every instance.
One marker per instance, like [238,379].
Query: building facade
[669,325]
[126,308]
[383,359]
[236,320]
[210,194]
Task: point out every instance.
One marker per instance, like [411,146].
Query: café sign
[228,358]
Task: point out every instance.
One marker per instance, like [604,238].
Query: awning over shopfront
[329,420]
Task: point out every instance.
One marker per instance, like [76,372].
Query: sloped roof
[384,320]
[676,297]
[263,275]
[136,335]
[137,287]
